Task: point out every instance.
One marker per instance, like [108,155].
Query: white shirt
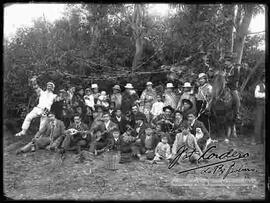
[258,94]
[157,108]
[107,125]
[89,100]
[118,118]
[46,99]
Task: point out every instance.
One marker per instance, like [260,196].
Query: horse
[222,105]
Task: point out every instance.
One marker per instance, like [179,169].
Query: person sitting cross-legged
[101,143]
[77,135]
[48,137]
[162,150]
[186,140]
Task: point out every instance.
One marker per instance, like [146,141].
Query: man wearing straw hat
[46,99]
[170,98]
[187,95]
[116,96]
[128,98]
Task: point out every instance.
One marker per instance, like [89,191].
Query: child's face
[198,130]
[185,132]
[159,98]
[164,140]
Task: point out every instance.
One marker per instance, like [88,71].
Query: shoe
[33,148]
[19,134]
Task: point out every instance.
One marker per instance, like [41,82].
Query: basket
[111,160]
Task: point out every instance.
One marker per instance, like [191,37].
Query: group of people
[155,124]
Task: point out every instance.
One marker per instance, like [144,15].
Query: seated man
[187,108]
[187,140]
[76,136]
[101,143]
[138,147]
[136,112]
[49,137]
[165,119]
[194,124]
[120,120]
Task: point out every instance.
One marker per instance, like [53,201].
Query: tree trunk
[137,33]
[242,32]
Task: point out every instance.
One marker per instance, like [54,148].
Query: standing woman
[147,99]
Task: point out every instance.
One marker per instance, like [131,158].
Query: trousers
[236,100]
[36,112]
[259,128]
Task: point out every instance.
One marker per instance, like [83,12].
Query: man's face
[158,127]
[99,110]
[95,114]
[50,87]
[164,140]
[51,117]
[118,113]
[186,105]
[61,95]
[168,112]
[169,89]
[77,120]
[79,110]
[187,89]
[115,91]
[87,92]
[148,87]
[158,98]
[106,117]
[202,81]
[134,109]
[190,118]
[185,131]
[81,92]
[112,105]
[178,116]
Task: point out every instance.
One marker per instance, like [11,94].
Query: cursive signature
[221,169]
[185,153]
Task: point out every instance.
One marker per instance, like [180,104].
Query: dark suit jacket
[122,124]
[59,130]
[141,133]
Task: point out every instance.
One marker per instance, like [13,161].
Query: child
[199,133]
[151,142]
[157,107]
[185,138]
[162,151]
[103,100]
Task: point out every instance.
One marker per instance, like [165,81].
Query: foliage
[93,39]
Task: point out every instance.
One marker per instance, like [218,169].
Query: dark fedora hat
[187,101]
[168,107]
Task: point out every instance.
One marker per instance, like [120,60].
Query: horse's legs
[229,131]
[234,133]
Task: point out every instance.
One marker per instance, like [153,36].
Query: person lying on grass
[186,140]
[49,137]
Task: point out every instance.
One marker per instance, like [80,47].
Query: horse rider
[232,73]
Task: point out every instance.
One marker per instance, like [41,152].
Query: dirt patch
[42,175]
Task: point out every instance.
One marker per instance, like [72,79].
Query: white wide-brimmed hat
[202,75]
[149,83]
[169,85]
[129,86]
[187,84]
[94,86]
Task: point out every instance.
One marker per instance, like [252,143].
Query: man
[49,137]
[135,112]
[147,99]
[165,119]
[259,129]
[232,71]
[120,120]
[46,99]
[138,147]
[129,97]
[187,108]
[170,98]
[89,98]
[203,97]
[187,94]
[58,105]
[77,135]
[198,124]
[116,97]
[95,93]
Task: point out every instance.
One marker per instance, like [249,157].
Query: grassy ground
[42,175]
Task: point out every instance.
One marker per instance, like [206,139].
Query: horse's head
[219,84]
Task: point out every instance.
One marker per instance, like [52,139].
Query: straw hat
[187,84]
[169,85]
[94,86]
[129,86]
[202,75]
[149,83]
